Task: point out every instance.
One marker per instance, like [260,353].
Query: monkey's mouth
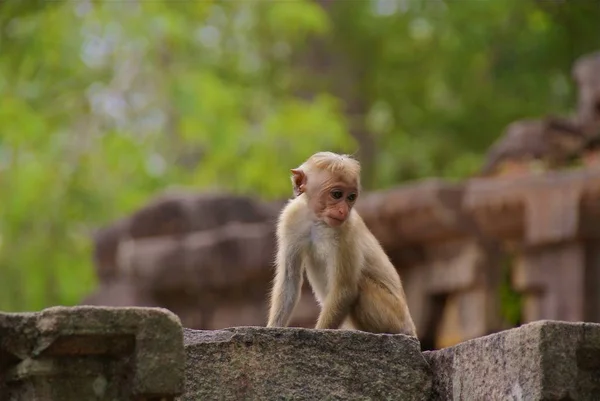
[334,221]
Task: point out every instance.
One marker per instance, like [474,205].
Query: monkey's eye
[337,194]
[352,197]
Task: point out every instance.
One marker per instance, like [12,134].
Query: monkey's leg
[380,311]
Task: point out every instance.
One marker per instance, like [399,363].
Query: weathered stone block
[249,363]
[545,360]
[91,353]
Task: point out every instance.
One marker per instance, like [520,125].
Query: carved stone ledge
[422,212]
[91,353]
[537,209]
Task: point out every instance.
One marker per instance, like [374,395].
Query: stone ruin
[585,73]
[554,141]
[206,261]
[208,257]
[448,240]
[144,354]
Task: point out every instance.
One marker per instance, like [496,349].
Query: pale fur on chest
[321,247]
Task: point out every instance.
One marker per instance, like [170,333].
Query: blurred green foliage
[103,104]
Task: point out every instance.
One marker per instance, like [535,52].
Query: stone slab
[91,353]
[251,363]
[544,360]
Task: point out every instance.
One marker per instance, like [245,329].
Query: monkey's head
[331,184]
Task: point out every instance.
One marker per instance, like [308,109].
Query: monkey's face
[339,204]
[334,201]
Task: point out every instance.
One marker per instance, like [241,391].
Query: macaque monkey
[319,232]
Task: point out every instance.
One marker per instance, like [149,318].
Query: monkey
[321,234]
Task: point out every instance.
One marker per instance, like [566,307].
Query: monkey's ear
[298,181]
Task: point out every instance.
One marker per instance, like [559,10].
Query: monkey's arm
[344,290]
[287,285]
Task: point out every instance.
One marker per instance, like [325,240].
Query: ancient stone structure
[144,354]
[585,72]
[448,241]
[553,142]
[208,257]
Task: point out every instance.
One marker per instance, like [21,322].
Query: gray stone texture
[545,360]
[143,354]
[251,363]
[91,353]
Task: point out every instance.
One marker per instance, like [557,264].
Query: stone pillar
[469,274]
[551,279]
[550,272]
[91,353]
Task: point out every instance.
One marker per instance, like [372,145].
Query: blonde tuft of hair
[334,163]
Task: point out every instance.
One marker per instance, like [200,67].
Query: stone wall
[143,354]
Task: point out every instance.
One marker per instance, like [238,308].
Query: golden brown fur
[321,234]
